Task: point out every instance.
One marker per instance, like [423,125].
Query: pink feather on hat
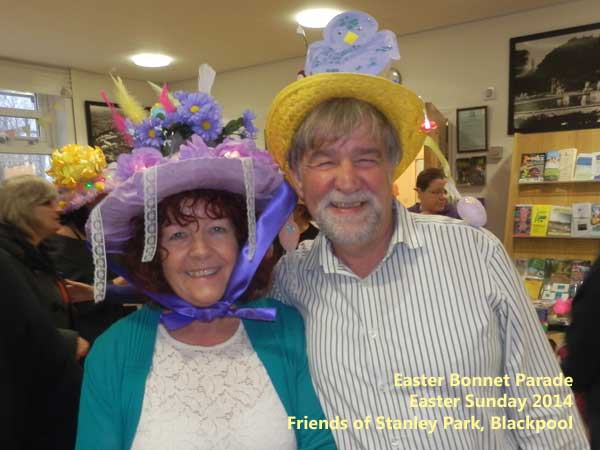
[118,119]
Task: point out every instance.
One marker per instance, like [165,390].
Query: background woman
[39,377]
[432,193]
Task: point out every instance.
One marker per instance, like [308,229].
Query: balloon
[562,307]
[472,211]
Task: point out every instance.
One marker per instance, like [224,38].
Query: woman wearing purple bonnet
[211,364]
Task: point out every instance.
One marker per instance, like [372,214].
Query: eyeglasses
[441,193]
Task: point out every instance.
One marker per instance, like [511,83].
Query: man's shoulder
[453,229]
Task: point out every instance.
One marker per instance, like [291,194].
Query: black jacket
[583,343]
[37,272]
[39,377]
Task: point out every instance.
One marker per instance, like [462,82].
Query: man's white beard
[349,229]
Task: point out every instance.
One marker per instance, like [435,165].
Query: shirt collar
[405,232]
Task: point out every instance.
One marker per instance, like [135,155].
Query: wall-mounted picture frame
[102,132]
[554,80]
[471,129]
[471,171]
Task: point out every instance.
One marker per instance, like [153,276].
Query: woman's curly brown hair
[217,205]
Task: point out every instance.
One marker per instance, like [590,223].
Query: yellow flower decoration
[74,164]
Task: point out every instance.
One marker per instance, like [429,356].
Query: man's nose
[347,178]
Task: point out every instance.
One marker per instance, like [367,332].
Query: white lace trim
[99,255]
[150,214]
[248,169]
[210,398]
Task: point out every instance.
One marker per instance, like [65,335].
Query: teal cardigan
[120,360]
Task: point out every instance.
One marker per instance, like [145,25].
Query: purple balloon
[472,211]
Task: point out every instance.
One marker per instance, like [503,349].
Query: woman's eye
[178,235]
[218,229]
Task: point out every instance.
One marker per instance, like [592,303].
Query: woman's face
[434,199]
[200,257]
[47,217]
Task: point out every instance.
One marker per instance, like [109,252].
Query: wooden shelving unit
[551,193]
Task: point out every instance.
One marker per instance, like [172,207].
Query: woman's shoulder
[132,327]
[288,321]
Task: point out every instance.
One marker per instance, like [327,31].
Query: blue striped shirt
[445,300]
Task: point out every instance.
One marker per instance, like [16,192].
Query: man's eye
[323,164]
[366,162]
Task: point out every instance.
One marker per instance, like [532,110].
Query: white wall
[87,86]
[449,67]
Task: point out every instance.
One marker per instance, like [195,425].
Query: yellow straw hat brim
[402,107]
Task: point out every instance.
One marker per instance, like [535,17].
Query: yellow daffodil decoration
[76,166]
[80,173]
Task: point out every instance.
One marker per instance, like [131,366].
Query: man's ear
[295,180]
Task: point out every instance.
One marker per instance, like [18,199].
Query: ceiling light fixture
[316,18]
[151,60]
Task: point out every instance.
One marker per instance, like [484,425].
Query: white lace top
[210,398]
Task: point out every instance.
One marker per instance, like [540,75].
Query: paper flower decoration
[75,164]
[81,174]
[352,44]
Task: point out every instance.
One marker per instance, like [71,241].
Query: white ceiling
[99,37]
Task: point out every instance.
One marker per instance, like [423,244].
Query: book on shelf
[579,270]
[532,167]
[596,166]
[540,218]
[584,167]
[567,164]
[581,220]
[595,219]
[552,165]
[560,221]
[547,280]
[522,221]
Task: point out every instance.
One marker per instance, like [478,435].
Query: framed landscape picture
[554,80]
[102,132]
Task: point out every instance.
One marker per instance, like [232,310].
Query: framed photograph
[471,129]
[471,171]
[101,131]
[554,80]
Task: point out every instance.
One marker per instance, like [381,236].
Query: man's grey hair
[337,118]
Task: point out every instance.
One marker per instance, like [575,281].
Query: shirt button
[373,334]
[382,386]
[396,444]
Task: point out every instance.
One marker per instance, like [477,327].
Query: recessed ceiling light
[316,17]
[151,60]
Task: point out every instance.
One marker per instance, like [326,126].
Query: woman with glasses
[432,193]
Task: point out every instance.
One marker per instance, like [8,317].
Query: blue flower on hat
[248,116]
[202,114]
[149,133]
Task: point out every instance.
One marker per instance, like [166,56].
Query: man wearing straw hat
[419,333]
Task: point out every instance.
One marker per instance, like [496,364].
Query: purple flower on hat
[138,159]
[233,148]
[202,114]
[149,133]
[181,96]
[248,116]
[195,148]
